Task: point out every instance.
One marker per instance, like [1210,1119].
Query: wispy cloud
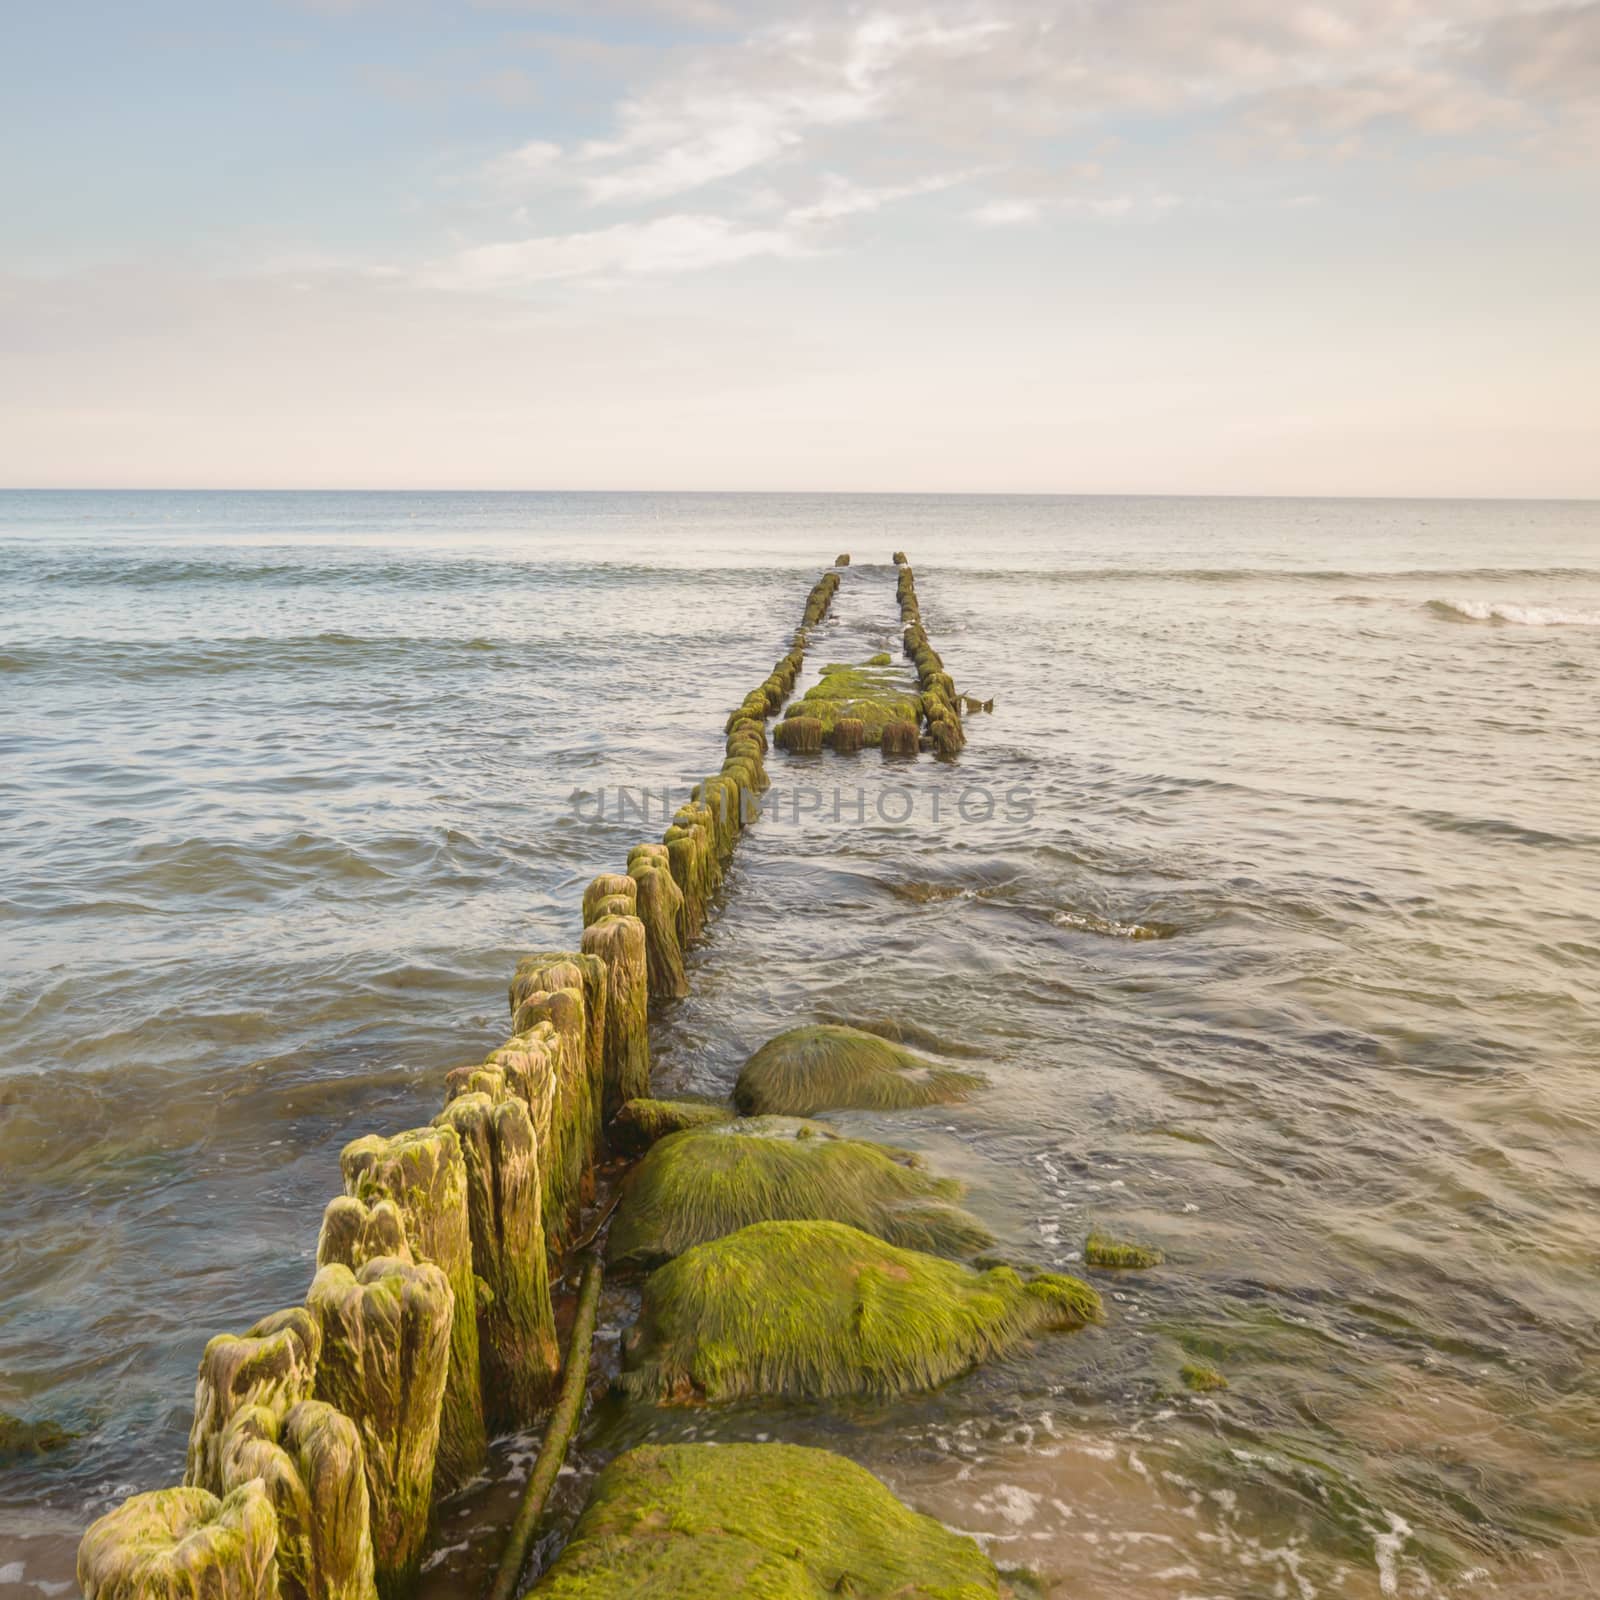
[682,243]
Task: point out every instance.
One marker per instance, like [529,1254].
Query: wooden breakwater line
[323,1435]
[784,1260]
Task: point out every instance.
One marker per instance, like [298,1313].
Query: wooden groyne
[324,1435]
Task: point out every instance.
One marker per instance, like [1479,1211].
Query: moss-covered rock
[183,1544]
[620,943]
[818,1068]
[895,1029]
[775,1521]
[385,1363]
[274,1364]
[1099,1250]
[640,1123]
[19,1438]
[516,1326]
[424,1173]
[1202,1377]
[700,1184]
[310,1461]
[354,1233]
[805,1310]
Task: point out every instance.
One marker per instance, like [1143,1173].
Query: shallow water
[1282,942]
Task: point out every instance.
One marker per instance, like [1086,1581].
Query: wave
[1523,616]
[1247,574]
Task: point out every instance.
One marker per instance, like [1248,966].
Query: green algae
[1202,1377]
[183,1544]
[824,1067]
[385,1364]
[641,1122]
[1120,1254]
[764,1521]
[882,659]
[845,692]
[311,1464]
[808,1310]
[424,1173]
[703,1183]
[799,733]
[273,1364]
[908,1033]
[900,738]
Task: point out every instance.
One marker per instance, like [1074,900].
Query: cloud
[762,101]
[681,243]
[1005,213]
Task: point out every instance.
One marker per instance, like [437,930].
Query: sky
[1110,246]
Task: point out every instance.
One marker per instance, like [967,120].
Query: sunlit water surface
[1270,889]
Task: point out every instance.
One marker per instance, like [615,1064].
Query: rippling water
[1282,939]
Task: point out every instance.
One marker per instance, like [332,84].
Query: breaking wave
[1525,616]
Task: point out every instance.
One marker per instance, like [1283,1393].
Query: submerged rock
[641,1122]
[1101,1251]
[20,1438]
[424,1173]
[183,1544]
[805,1310]
[310,1461]
[385,1359]
[818,1068]
[703,1183]
[696,1521]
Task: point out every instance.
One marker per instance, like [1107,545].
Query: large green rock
[804,1310]
[183,1544]
[641,1122]
[705,1182]
[819,1068]
[310,1461]
[274,1364]
[385,1361]
[765,1521]
[423,1173]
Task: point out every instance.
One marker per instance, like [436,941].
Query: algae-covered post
[620,943]
[517,1334]
[660,909]
[385,1363]
[180,1544]
[422,1171]
[274,1364]
[311,1462]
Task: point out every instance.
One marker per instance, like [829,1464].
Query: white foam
[1524,616]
